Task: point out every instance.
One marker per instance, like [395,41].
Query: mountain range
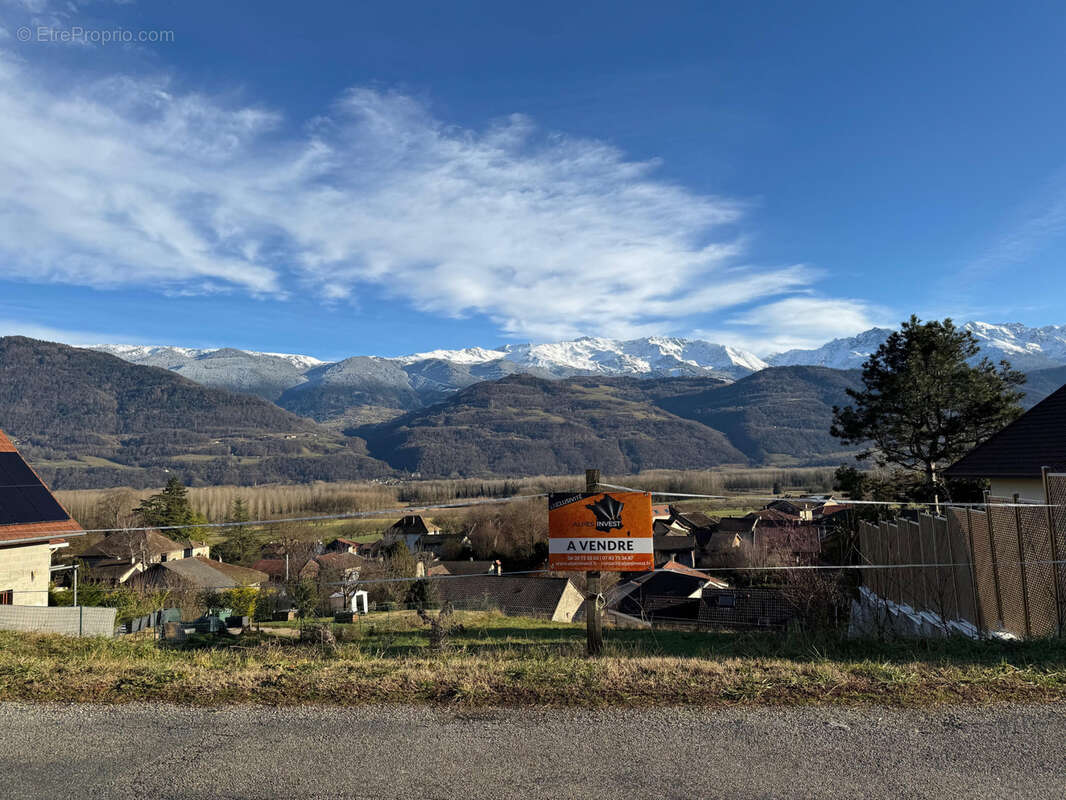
[370,389]
[134,415]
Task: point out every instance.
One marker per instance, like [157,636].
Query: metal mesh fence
[1039,584]
[957,538]
[1056,494]
[996,568]
[1004,535]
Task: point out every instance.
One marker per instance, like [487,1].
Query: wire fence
[999,568]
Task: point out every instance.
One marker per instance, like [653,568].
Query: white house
[32,525]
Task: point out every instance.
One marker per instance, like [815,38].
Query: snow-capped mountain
[1026,348]
[264,374]
[326,390]
[652,356]
[151,354]
[847,353]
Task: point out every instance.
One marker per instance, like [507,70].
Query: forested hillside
[778,415]
[90,419]
[87,419]
[525,426]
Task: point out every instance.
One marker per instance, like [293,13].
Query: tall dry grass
[107,508]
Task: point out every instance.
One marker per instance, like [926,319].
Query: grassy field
[498,660]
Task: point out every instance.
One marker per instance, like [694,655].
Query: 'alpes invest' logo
[608,513]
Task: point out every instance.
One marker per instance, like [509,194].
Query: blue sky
[343,178]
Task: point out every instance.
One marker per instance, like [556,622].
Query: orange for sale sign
[603,531]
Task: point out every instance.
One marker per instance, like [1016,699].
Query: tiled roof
[131,544]
[1036,439]
[28,500]
[274,567]
[412,523]
[773,514]
[681,569]
[736,524]
[517,594]
[201,572]
[340,561]
[673,542]
[695,519]
[465,567]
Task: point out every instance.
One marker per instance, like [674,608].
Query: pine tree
[924,404]
[168,509]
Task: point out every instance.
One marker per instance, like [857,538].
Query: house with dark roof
[200,573]
[515,595]
[673,547]
[32,527]
[459,567]
[1012,460]
[123,554]
[409,529]
[671,592]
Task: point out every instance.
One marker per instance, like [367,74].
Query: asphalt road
[251,752]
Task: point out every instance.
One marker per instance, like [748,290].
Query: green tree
[305,597]
[242,544]
[924,403]
[399,563]
[170,508]
[239,511]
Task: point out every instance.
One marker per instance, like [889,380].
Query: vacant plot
[497,660]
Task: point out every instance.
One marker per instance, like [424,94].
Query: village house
[409,529]
[200,573]
[1013,459]
[123,554]
[515,595]
[670,592]
[32,527]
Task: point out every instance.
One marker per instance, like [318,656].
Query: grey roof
[203,573]
[1036,439]
[673,543]
[511,594]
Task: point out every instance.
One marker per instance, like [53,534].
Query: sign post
[596,531]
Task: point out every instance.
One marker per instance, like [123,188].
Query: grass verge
[498,660]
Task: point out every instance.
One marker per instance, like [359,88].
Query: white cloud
[803,321]
[128,181]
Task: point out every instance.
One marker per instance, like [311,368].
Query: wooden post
[593,621]
[1052,535]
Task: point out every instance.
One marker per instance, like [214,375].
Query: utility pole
[593,621]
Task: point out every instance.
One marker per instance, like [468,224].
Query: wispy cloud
[129,181]
[801,322]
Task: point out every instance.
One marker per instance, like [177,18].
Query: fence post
[1021,566]
[593,620]
[953,569]
[978,614]
[924,571]
[1053,534]
[995,561]
[81,621]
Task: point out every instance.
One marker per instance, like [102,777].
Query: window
[6,597]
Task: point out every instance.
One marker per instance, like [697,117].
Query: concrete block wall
[77,621]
